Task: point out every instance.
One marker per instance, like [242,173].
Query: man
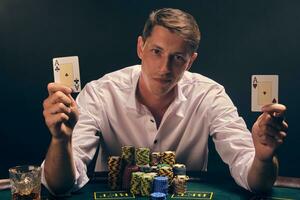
[160,105]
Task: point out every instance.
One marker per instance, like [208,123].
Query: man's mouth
[163,80]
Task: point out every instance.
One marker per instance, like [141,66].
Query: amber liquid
[31,196]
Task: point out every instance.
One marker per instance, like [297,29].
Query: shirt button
[152,120]
[155,141]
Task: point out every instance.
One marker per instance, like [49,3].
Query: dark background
[239,38]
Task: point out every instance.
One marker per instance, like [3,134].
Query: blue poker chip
[158,196]
[160,184]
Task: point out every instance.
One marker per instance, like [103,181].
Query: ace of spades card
[264,90]
[66,72]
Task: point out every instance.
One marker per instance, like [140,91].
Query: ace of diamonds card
[264,90]
[66,72]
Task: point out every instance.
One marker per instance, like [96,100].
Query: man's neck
[157,105]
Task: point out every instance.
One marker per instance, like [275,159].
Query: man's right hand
[60,111]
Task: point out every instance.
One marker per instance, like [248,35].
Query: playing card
[264,90]
[66,71]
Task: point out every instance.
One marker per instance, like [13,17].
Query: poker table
[201,186]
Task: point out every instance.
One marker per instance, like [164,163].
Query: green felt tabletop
[201,186]
[218,189]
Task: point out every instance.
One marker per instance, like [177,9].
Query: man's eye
[155,51]
[179,58]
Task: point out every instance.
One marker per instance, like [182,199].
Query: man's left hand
[269,131]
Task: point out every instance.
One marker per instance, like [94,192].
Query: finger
[268,141]
[54,87]
[272,130]
[281,135]
[275,123]
[73,102]
[267,130]
[279,125]
[273,139]
[284,126]
[279,138]
[54,120]
[58,108]
[267,120]
[58,97]
[274,109]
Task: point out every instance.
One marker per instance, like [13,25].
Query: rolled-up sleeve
[233,141]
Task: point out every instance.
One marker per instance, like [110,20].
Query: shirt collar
[180,96]
[132,101]
[179,101]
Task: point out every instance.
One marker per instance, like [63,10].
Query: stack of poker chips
[180,184]
[146,184]
[128,153]
[179,169]
[142,156]
[128,167]
[136,178]
[160,184]
[114,167]
[143,172]
[166,171]
[168,157]
[154,158]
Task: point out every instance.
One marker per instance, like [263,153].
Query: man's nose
[165,64]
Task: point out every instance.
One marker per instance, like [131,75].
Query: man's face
[165,57]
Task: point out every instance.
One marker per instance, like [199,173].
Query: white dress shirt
[111,116]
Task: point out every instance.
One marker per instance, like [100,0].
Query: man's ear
[140,45]
[193,58]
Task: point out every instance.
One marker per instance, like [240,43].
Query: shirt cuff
[243,166]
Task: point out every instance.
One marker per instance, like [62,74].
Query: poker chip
[166,171]
[160,184]
[154,158]
[146,184]
[142,156]
[128,154]
[154,168]
[179,169]
[114,168]
[136,178]
[180,184]
[154,174]
[162,165]
[168,157]
[158,196]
